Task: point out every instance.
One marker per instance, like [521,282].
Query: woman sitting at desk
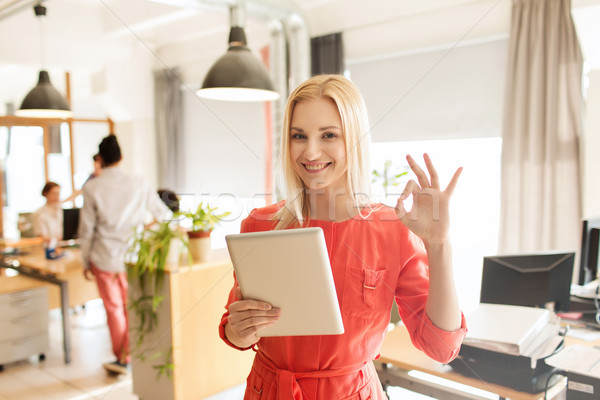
[48,219]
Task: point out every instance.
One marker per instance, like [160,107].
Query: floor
[84,378]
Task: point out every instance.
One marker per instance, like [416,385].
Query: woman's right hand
[247,318]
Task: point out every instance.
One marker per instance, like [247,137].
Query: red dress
[373,260]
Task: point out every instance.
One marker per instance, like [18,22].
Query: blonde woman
[377,254]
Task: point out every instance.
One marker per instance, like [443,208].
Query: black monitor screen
[528,279]
[588,258]
[70,223]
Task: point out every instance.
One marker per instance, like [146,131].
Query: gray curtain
[168,113]
[542,124]
[327,54]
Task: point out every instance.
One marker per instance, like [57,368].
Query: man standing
[115,204]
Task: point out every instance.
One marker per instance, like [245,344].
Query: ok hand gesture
[429,215]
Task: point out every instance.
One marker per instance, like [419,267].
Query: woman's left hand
[429,216]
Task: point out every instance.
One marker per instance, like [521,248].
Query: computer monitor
[588,257]
[532,280]
[70,223]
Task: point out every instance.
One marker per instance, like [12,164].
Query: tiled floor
[84,378]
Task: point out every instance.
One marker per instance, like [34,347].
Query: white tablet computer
[289,269]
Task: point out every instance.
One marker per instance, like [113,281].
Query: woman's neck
[330,205]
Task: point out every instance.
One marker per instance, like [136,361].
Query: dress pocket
[366,293]
[255,387]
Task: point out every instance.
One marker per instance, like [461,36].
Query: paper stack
[510,329]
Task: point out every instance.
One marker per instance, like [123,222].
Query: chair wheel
[42,357]
[1,368]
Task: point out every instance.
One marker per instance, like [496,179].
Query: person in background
[170,199]
[97,171]
[115,203]
[48,219]
[97,168]
[378,254]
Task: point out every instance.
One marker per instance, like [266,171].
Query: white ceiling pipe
[237,14]
[279,71]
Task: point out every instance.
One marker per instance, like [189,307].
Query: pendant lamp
[44,101]
[238,75]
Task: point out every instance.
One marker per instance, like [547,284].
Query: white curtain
[542,125]
[168,116]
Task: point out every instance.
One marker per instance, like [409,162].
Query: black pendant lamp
[238,75]
[44,101]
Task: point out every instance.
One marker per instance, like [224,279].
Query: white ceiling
[82,35]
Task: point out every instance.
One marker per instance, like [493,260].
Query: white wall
[436,95]
[125,90]
[225,147]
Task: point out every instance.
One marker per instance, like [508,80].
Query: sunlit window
[475,206]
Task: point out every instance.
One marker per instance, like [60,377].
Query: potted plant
[204,219]
[146,259]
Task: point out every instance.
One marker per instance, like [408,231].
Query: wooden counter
[188,320]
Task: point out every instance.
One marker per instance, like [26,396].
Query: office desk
[399,356]
[68,268]
[64,274]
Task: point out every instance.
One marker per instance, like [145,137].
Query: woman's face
[53,195]
[317,148]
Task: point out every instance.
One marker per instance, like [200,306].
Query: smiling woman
[377,254]
[337,113]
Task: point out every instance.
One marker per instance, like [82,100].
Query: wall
[224,146]
[125,91]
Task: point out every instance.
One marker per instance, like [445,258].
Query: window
[475,205]
[23,173]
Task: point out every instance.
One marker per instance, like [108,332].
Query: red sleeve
[411,297]
[248,225]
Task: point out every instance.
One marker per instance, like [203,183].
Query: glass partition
[33,152]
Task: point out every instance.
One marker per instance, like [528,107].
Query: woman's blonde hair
[355,128]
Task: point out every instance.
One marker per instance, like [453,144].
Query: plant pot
[199,245]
